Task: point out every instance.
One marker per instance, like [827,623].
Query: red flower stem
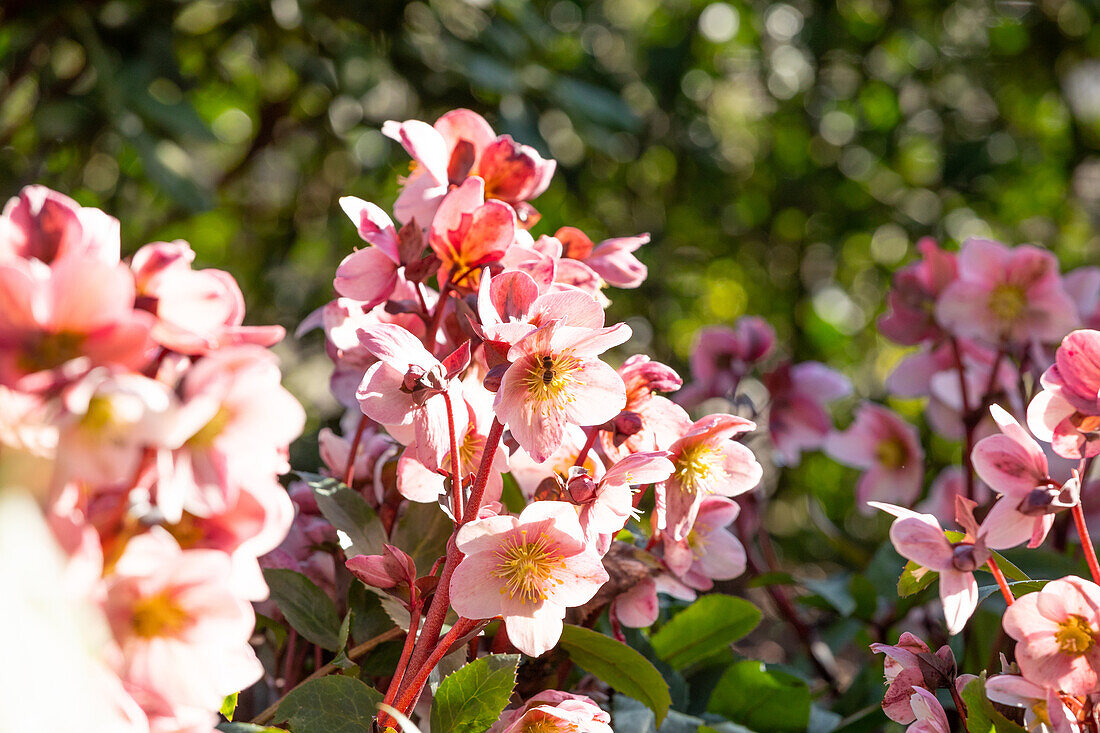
[591,433]
[406,651]
[408,697]
[288,659]
[420,297]
[1001,582]
[477,493]
[1086,541]
[349,471]
[437,316]
[456,470]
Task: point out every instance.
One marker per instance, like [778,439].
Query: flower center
[52,350]
[547,724]
[695,465]
[1040,711]
[527,567]
[697,539]
[158,615]
[470,451]
[100,414]
[206,435]
[550,378]
[1074,636]
[890,454]
[1007,302]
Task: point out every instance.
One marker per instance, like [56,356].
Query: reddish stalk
[437,316]
[477,493]
[349,471]
[590,440]
[456,469]
[1086,541]
[968,423]
[407,698]
[406,651]
[1001,582]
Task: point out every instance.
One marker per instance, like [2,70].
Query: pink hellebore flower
[1006,294]
[1066,413]
[538,479]
[708,462]
[556,379]
[1044,711]
[920,538]
[612,259]
[797,418]
[1014,466]
[369,274]
[182,630]
[527,569]
[46,225]
[904,667]
[606,505]
[551,711]
[912,300]
[1056,630]
[710,551]
[649,421]
[404,390]
[469,232]
[928,712]
[81,308]
[948,484]
[510,306]
[197,310]
[888,450]
[721,356]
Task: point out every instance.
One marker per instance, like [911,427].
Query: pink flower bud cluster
[151,426]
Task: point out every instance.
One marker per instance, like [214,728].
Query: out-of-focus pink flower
[369,274]
[710,551]
[638,607]
[405,390]
[1006,294]
[1056,631]
[551,711]
[912,300]
[1083,286]
[232,428]
[606,505]
[928,712]
[1014,466]
[1044,711]
[197,310]
[903,670]
[920,538]
[887,449]
[649,421]
[74,315]
[948,484]
[612,259]
[182,631]
[1066,413]
[797,417]
[707,463]
[527,569]
[47,225]
[721,356]
[556,379]
[469,232]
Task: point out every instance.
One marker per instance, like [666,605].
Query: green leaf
[703,628]
[229,706]
[471,699]
[348,512]
[981,716]
[334,704]
[247,728]
[762,699]
[621,667]
[423,531]
[511,495]
[914,579]
[306,607]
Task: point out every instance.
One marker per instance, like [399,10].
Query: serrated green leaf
[621,667]
[307,609]
[752,695]
[981,716]
[703,628]
[229,706]
[334,704]
[348,512]
[914,579]
[423,531]
[472,698]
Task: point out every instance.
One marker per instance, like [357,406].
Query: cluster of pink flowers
[151,427]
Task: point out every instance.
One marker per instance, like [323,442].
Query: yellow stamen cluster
[891,454]
[527,566]
[1007,302]
[206,435]
[550,378]
[1074,636]
[158,615]
[549,725]
[696,465]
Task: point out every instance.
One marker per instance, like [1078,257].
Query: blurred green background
[785,157]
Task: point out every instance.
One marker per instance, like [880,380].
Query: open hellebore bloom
[369,274]
[46,225]
[510,307]
[908,664]
[920,538]
[710,551]
[1014,465]
[912,299]
[707,462]
[798,419]
[1066,413]
[405,390]
[1004,294]
[606,505]
[527,569]
[888,450]
[612,259]
[649,421]
[556,379]
[552,711]
[1044,711]
[469,232]
[1056,630]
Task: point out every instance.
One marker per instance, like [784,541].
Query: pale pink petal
[373,225]
[537,633]
[920,539]
[368,275]
[1005,527]
[1007,466]
[597,394]
[959,593]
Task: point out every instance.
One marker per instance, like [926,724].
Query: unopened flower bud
[580,487]
[964,558]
